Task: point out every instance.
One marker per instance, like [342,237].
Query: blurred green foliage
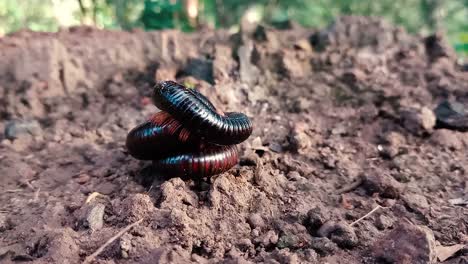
[417,16]
[14,16]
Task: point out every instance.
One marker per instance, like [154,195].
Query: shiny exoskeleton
[189,137]
[198,115]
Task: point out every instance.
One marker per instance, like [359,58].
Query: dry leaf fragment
[444,253]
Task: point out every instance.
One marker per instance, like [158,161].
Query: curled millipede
[188,137]
[199,116]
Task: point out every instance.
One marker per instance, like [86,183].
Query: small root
[350,187]
[91,257]
[366,215]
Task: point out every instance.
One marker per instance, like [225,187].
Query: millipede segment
[197,113]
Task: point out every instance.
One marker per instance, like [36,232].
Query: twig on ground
[366,215]
[459,201]
[350,186]
[14,190]
[91,257]
[30,185]
[150,188]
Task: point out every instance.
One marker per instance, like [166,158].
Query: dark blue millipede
[189,137]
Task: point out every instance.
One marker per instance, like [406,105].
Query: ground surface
[343,125]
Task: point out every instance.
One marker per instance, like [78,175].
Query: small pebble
[310,255]
[323,246]
[418,121]
[5,223]
[245,243]
[382,183]
[95,217]
[452,115]
[136,206]
[255,233]
[106,188]
[393,143]
[289,241]
[298,139]
[17,128]
[339,232]
[256,221]
[83,178]
[125,245]
[383,222]
[416,201]
[406,243]
[275,147]
[343,235]
[326,229]
[269,238]
[316,217]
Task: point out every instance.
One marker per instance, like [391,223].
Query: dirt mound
[343,126]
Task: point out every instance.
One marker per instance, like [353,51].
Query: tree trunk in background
[83,10]
[95,7]
[85,19]
[191,9]
[120,12]
[432,13]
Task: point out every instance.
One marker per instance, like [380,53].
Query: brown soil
[343,124]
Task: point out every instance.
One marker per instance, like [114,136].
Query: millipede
[189,137]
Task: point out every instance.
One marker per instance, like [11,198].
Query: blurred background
[417,16]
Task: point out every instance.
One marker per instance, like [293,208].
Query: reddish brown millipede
[188,138]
